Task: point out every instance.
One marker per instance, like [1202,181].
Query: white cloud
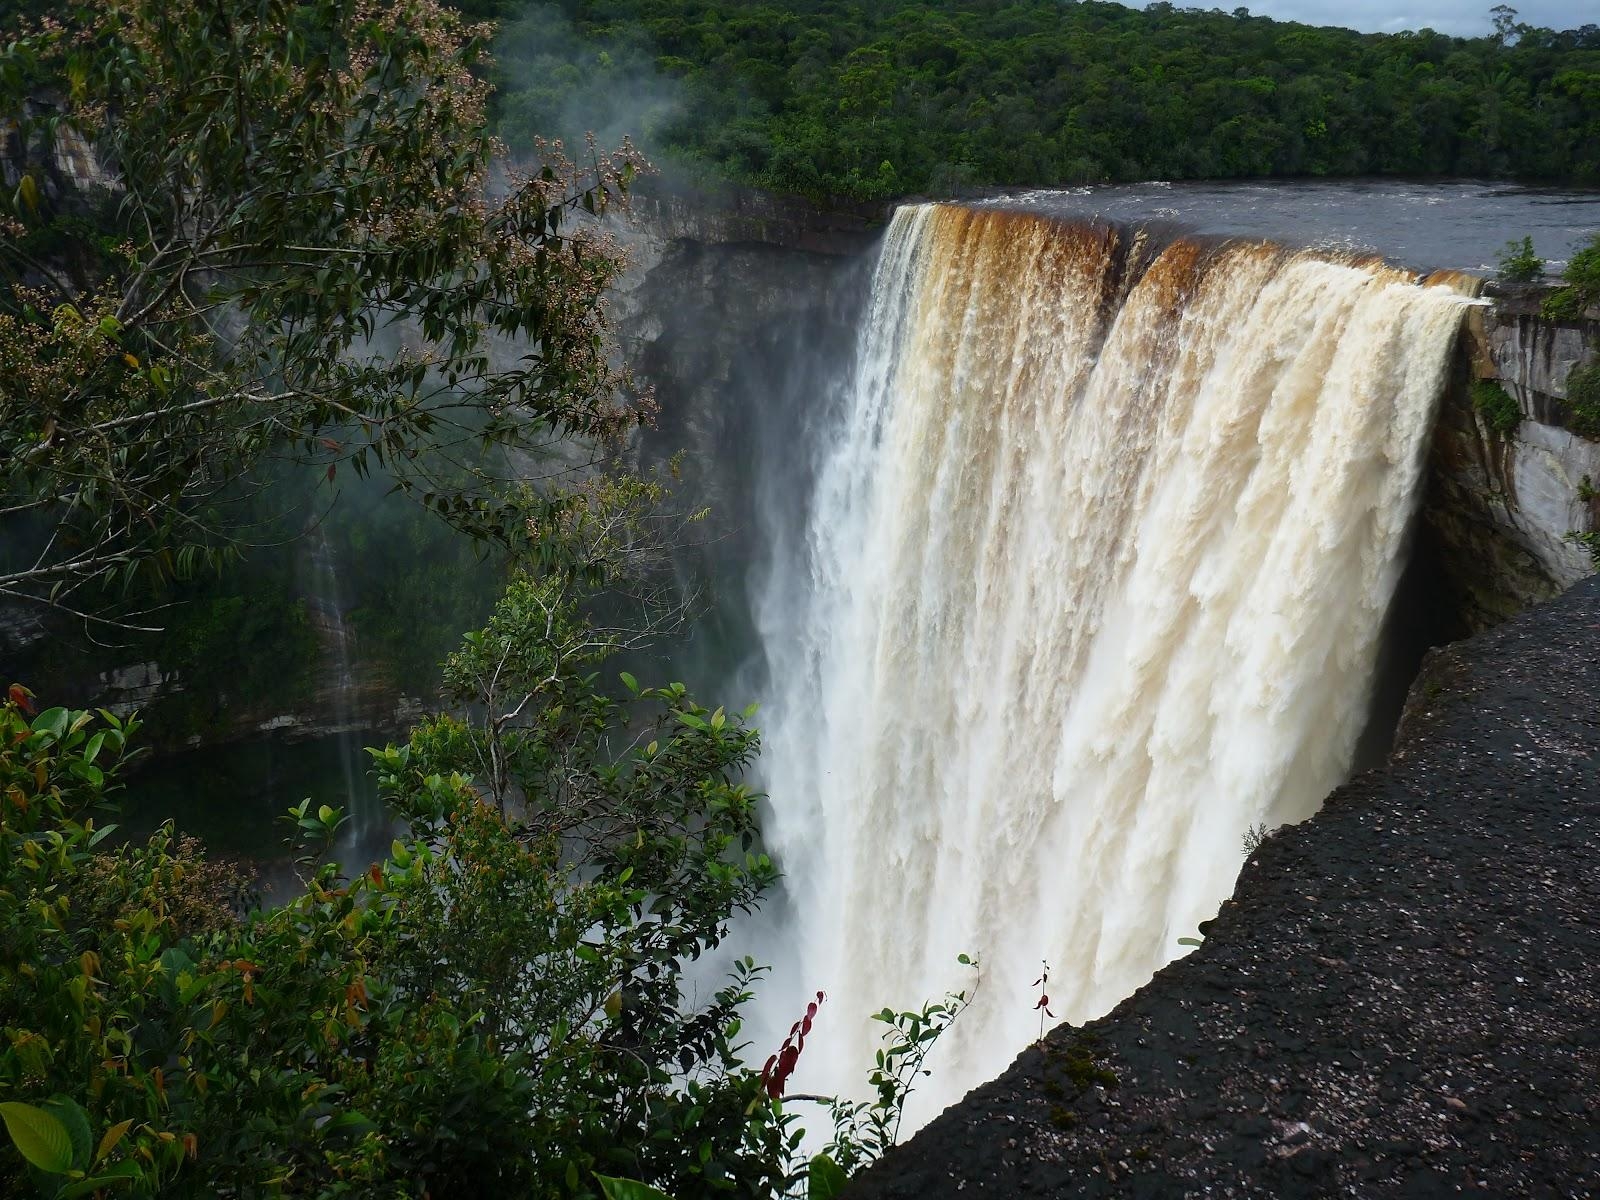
[1462,19]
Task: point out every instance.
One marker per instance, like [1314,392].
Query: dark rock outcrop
[1500,507]
[1400,999]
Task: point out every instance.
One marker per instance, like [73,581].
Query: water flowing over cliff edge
[1397,1001]
[1103,536]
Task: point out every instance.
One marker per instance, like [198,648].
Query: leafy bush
[1582,290]
[1519,263]
[1496,406]
[1583,400]
[206,1055]
[494,1010]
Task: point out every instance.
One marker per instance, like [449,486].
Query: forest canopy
[837,98]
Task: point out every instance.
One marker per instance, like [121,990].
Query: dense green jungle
[869,101]
[310,319]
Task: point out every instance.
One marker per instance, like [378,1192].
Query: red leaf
[22,698]
[782,1064]
[333,469]
[1044,1002]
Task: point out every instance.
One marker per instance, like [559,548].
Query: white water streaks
[1093,580]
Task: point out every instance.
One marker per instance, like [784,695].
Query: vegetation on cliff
[1580,288]
[830,98]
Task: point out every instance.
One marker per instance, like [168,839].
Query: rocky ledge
[1401,999]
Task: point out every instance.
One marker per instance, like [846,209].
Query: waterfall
[367,818]
[1101,543]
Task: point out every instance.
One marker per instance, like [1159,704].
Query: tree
[305,244]
[1505,23]
[1519,263]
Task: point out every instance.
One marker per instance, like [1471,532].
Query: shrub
[1582,289]
[1583,400]
[1496,406]
[1519,263]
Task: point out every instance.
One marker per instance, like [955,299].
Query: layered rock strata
[1501,507]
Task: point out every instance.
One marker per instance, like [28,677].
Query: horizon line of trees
[830,98]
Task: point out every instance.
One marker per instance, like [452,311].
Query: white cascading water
[1093,581]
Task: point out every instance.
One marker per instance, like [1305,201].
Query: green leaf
[87,772]
[76,1122]
[39,1137]
[629,682]
[123,1172]
[52,720]
[109,1140]
[354,1123]
[629,1189]
[825,1179]
[27,195]
[1188,941]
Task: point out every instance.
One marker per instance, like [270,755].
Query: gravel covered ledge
[1401,999]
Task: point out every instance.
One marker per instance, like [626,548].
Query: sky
[1464,18]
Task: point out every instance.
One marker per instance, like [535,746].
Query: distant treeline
[866,100]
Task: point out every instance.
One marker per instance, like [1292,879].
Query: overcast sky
[1464,18]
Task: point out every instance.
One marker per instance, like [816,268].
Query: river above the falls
[1426,225]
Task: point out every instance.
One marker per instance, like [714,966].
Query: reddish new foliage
[781,1065]
[1044,997]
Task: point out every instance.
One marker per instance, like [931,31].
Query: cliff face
[741,311]
[1501,506]
[1398,1000]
